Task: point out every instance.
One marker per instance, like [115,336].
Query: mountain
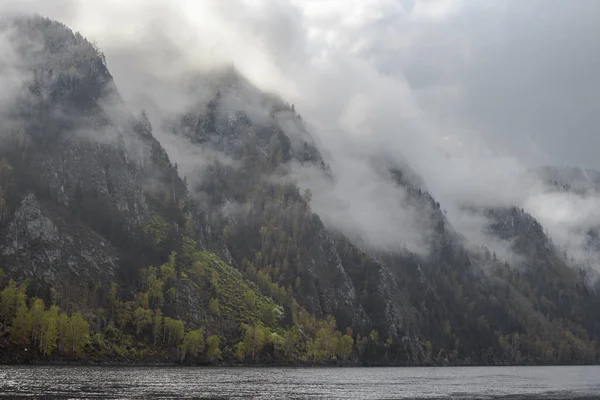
[578,180]
[111,251]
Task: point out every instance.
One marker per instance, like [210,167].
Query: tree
[277,342]
[213,306]
[167,270]
[142,319]
[21,327]
[37,319]
[313,351]
[291,339]
[240,351]
[250,298]
[142,300]
[171,295]
[11,298]
[344,347]
[254,340]
[124,313]
[173,331]
[267,314]
[564,352]
[112,295]
[157,323]
[155,292]
[63,332]
[193,344]
[374,336]
[79,333]
[327,343]
[49,331]
[214,281]
[214,348]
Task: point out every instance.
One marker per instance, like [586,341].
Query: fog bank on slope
[450,88]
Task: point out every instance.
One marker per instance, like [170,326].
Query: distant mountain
[110,251]
[578,180]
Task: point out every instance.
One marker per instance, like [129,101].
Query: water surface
[299,383]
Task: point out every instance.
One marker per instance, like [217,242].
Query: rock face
[89,195]
[83,172]
[39,244]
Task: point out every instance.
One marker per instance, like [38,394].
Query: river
[299,383]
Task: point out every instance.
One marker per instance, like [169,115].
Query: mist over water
[300,383]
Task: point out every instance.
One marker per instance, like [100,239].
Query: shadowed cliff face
[85,175]
[90,197]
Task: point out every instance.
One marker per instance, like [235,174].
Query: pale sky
[521,74]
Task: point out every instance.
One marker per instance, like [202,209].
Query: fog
[470,94]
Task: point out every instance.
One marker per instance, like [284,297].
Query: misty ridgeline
[218,231]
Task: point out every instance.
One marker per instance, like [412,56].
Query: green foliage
[225,286]
[133,326]
[171,295]
[79,333]
[167,270]
[214,281]
[112,294]
[156,292]
[36,317]
[344,347]
[240,351]
[250,298]
[12,298]
[157,326]
[142,319]
[268,315]
[157,229]
[63,332]
[173,331]
[189,248]
[254,340]
[21,326]
[213,306]
[193,344]
[214,348]
[273,326]
[49,331]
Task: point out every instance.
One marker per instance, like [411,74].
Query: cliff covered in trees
[111,251]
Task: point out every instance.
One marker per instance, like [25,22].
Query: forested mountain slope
[108,250]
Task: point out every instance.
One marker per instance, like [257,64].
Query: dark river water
[299,383]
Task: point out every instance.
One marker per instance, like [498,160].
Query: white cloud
[469,93]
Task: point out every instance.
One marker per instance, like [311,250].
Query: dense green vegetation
[141,329]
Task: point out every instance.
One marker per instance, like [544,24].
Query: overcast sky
[519,73]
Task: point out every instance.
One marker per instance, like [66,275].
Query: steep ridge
[230,261]
[406,297]
[85,176]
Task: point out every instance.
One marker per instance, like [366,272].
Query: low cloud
[13,74]
[572,220]
[363,203]
[469,94]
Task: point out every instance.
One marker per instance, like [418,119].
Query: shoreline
[159,364]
